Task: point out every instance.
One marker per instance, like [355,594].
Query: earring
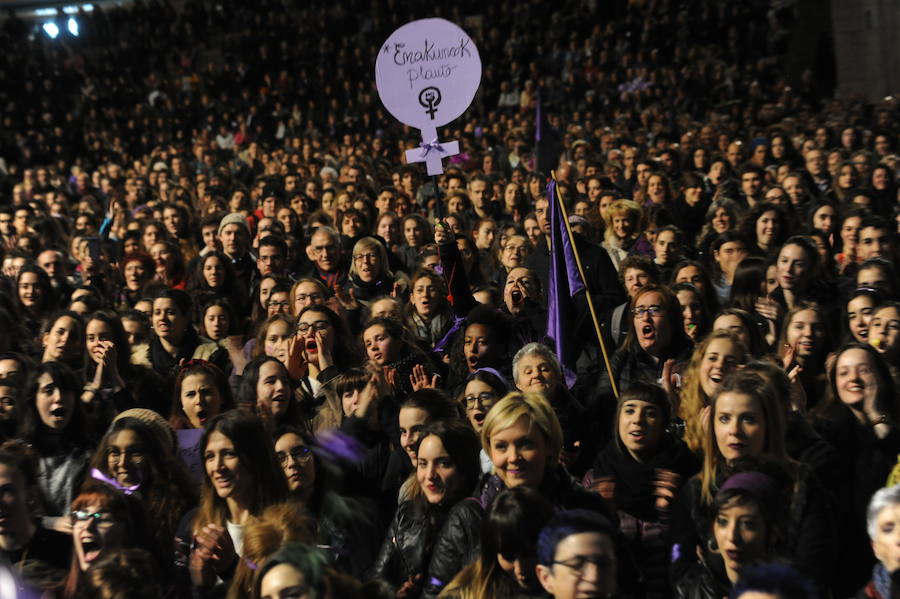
[712,546]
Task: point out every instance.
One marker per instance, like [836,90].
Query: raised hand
[419,379]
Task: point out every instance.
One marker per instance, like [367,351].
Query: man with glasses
[577,556]
[324,251]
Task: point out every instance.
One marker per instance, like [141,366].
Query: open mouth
[472,361]
[59,412]
[716,378]
[478,417]
[91,549]
[311,345]
[517,297]
[202,416]
[647,330]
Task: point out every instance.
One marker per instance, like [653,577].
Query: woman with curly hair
[623,231]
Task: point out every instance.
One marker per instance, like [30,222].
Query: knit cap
[235,218]
[161,429]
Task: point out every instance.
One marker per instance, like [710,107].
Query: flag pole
[587,289]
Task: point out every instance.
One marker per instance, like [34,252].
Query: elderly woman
[883,525]
[536,369]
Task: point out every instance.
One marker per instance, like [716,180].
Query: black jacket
[407,544]
[459,541]
[700,582]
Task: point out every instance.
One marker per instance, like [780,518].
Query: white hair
[538,349]
[885,497]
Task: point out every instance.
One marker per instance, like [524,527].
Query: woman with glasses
[307,292]
[483,389]
[655,346]
[370,274]
[104,520]
[319,351]
[138,455]
[346,525]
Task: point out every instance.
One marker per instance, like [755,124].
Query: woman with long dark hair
[53,423]
[63,339]
[36,298]
[138,453]
[446,470]
[860,419]
[240,479]
[201,392]
[267,389]
[214,277]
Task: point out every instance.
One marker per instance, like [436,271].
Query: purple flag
[564,282]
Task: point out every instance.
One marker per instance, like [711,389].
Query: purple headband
[98,475]
[756,483]
[493,371]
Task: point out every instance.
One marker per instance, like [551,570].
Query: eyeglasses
[319,325]
[83,517]
[322,249]
[579,563]
[300,455]
[654,310]
[133,456]
[482,400]
[281,304]
[313,297]
[365,257]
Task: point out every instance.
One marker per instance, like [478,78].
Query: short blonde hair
[536,409]
[370,243]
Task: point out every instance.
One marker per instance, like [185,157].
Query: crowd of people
[247,351]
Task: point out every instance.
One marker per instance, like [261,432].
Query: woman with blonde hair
[524,440]
[624,224]
[716,357]
[747,425]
